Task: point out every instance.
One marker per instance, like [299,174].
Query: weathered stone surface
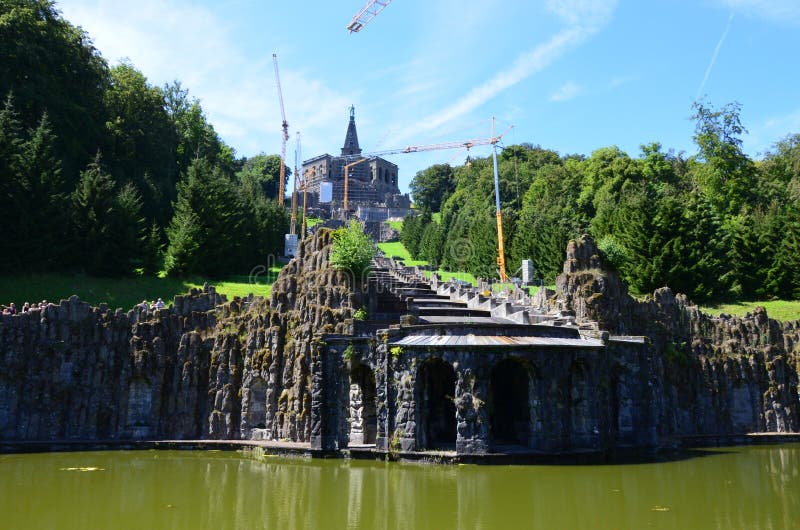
[296,367]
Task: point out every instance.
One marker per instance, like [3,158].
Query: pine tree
[783,277]
[43,238]
[205,232]
[11,191]
[107,224]
[93,203]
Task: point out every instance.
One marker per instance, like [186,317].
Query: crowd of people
[11,309]
[151,306]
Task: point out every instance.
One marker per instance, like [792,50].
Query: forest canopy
[714,225]
[105,173]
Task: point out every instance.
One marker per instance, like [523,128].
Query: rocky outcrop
[712,374]
[73,371]
[296,367]
[275,340]
[198,369]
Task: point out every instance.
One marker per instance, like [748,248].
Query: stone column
[324,424]
[472,418]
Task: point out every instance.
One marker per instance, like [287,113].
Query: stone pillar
[472,417]
[385,395]
[324,417]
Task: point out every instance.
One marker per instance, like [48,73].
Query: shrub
[352,250]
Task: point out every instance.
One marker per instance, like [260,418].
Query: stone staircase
[429,300]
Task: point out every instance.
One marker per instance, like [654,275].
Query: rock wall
[700,374]
[195,370]
[74,371]
[274,352]
[261,369]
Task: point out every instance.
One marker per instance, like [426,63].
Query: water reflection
[742,488]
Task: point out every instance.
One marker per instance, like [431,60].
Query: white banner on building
[325,192]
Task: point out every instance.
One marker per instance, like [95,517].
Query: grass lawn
[777,309]
[397,250]
[395,225]
[121,292]
[311,221]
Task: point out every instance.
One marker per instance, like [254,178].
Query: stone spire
[351,140]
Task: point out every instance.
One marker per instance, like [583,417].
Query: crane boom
[285,132]
[367,13]
[464,144]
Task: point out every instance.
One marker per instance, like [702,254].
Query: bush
[352,250]
[612,251]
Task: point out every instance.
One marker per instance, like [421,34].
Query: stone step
[433,302]
[452,312]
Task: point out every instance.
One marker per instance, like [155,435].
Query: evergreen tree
[107,224]
[431,244]
[42,237]
[11,191]
[204,234]
[411,234]
[783,276]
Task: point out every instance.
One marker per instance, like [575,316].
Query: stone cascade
[402,362]
[71,371]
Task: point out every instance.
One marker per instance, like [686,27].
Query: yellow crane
[367,13]
[492,140]
[501,252]
[284,133]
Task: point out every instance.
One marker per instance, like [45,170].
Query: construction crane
[284,134]
[501,252]
[367,13]
[292,227]
[465,144]
[492,140]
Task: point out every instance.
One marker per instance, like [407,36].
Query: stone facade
[373,183]
[585,368]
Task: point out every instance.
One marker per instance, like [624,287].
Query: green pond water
[737,488]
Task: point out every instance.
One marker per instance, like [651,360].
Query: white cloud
[763,136]
[523,67]
[185,41]
[583,17]
[587,13]
[778,10]
[566,92]
[618,81]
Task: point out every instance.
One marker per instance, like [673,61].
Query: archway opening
[363,406]
[437,410]
[510,413]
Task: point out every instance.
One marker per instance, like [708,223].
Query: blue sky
[570,75]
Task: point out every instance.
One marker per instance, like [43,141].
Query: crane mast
[367,13]
[501,253]
[284,134]
[492,140]
[292,227]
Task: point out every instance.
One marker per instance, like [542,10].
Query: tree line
[716,225]
[104,173]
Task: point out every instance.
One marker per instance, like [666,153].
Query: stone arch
[140,401]
[510,411]
[363,399]
[436,410]
[254,404]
